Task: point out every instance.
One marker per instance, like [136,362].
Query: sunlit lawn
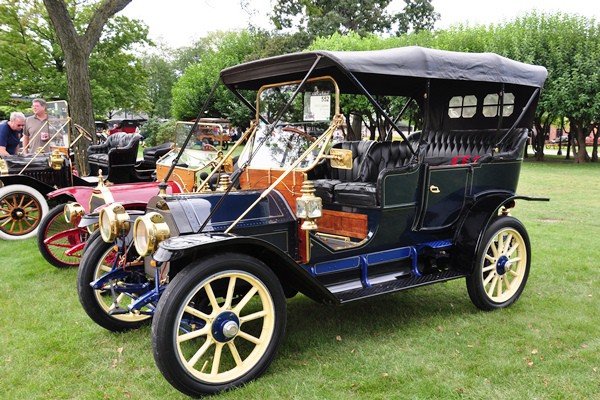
[426,343]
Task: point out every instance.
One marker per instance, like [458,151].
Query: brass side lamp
[56,161]
[72,212]
[308,206]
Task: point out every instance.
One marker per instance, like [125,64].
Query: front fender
[473,225]
[182,250]
[133,193]
[80,194]
[26,180]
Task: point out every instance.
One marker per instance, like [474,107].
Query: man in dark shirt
[10,134]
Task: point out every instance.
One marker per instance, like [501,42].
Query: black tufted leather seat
[381,158]
[326,178]
[116,157]
[152,154]
[362,185]
[452,147]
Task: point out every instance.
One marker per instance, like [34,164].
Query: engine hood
[186,214]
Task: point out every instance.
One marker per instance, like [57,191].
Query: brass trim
[332,236]
[340,158]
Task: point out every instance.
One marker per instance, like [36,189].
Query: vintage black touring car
[336,223]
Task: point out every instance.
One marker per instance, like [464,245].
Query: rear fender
[182,250]
[473,225]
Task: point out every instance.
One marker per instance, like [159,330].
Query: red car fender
[128,205]
[139,192]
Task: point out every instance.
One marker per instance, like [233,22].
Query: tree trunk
[354,133]
[77,50]
[595,144]
[578,131]
[537,141]
[80,102]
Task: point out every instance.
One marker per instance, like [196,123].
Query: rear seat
[373,160]
[464,147]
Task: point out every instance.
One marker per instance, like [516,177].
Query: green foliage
[161,78]
[325,17]
[31,59]
[157,131]
[118,77]
[192,89]
[34,64]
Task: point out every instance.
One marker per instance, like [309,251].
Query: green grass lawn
[426,343]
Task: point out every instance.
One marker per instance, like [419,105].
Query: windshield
[58,121]
[198,153]
[283,135]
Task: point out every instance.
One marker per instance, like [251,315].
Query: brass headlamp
[148,231]
[72,212]
[113,220]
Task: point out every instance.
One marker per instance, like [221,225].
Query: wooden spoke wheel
[502,265]
[218,324]
[21,210]
[108,305]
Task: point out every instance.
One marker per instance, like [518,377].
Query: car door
[443,196]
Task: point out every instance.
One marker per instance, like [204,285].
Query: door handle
[434,189]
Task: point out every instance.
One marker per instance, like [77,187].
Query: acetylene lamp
[56,160]
[114,220]
[308,206]
[148,231]
[72,212]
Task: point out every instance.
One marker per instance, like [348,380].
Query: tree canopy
[326,17]
[33,62]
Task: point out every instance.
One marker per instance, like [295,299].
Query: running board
[397,285]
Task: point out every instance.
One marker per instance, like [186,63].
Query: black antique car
[27,179]
[337,223]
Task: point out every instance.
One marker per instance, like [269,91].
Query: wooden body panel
[343,224]
[186,178]
[289,187]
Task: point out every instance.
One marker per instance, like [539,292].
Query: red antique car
[61,239]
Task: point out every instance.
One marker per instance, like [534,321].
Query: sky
[182,22]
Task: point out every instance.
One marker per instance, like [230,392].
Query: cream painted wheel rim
[104,296]
[223,334]
[504,265]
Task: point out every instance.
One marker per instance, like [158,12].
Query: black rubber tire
[499,263]
[93,236]
[52,223]
[188,290]
[90,269]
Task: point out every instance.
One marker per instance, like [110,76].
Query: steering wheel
[209,147]
[299,132]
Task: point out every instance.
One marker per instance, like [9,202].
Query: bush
[157,131]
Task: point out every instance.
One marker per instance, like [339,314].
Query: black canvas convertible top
[386,71]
